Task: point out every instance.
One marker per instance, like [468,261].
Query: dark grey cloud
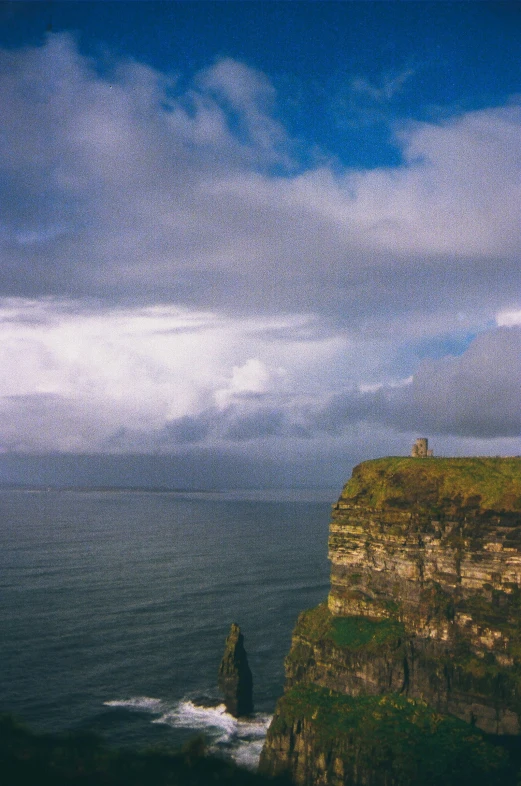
[475,395]
[254,425]
[185,430]
[478,394]
[250,419]
[195,469]
[32,422]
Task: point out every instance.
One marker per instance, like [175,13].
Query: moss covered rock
[322,737]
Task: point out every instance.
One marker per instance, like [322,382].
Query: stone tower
[420,449]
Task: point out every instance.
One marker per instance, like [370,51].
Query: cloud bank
[155,379]
[176,274]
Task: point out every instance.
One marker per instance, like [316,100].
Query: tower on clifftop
[420,449]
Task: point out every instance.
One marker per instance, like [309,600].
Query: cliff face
[425,606]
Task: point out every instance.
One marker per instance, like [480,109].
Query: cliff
[420,639]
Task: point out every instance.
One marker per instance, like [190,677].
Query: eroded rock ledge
[425,607]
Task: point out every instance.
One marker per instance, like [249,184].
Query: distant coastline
[304,494]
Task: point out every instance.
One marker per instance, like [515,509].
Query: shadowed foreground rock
[235,680]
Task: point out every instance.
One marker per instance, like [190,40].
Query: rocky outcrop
[424,608]
[326,739]
[235,679]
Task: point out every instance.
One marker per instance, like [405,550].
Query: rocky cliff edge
[420,637]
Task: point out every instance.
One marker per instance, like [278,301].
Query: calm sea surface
[114,607]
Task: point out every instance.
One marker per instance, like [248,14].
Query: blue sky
[251,244]
[337,67]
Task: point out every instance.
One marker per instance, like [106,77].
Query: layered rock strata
[425,602]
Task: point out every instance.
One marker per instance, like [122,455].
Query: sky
[251,244]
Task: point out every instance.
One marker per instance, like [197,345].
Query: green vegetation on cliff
[485,484]
[403,739]
[411,674]
[387,639]
[353,633]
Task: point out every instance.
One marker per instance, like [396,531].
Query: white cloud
[125,182]
[72,378]
[277,291]
[508,318]
[251,378]
[251,96]
[152,379]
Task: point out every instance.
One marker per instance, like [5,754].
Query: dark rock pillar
[235,680]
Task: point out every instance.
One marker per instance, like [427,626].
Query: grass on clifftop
[353,633]
[437,483]
[402,739]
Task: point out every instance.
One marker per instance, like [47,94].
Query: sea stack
[235,680]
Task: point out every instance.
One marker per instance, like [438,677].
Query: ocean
[115,606]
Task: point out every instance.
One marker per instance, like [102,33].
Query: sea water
[115,606]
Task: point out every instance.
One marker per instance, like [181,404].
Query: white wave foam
[145,703]
[242,739]
[188,715]
[247,754]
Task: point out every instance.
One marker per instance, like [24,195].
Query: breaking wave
[143,703]
[238,738]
